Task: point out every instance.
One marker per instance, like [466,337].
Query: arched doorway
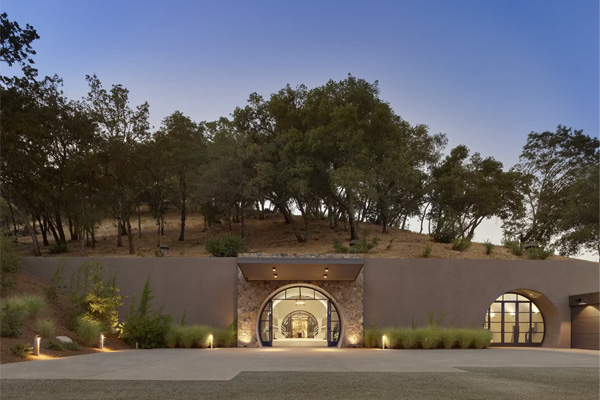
[515,320]
[299,315]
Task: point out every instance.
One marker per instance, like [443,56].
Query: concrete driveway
[225,364]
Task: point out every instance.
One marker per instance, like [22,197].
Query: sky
[485,73]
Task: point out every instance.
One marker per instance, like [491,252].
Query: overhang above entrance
[300,269]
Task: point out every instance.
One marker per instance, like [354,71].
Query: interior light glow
[326,269]
[274,269]
[492,315]
[274,275]
[324,276]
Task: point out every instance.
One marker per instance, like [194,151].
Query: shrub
[56,285]
[445,231]
[401,338]
[226,246]
[53,345]
[514,246]
[429,337]
[361,246]
[11,320]
[10,262]
[198,336]
[224,337]
[481,338]
[46,327]
[22,350]
[427,250]
[461,244]
[58,248]
[144,326]
[489,247]
[539,253]
[172,336]
[372,337]
[464,338]
[88,331]
[449,338]
[93,298]
[72,346]
[29,305]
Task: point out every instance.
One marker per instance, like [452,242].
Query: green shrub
[429,337]
[88,331]
[58,248]
[427,250]
[10,262]
[445,231]
[22,350]
[199,335]
[538,253]
[464,338]
[93,298]
[56,285]
[224,337]
[146,327]
[227,245]
[30,305]
[514,246]
[186,337]
[72,346]
[46,327]
[361,246]
[449,338]
[172,336]
[372,337]
[53,345]
[11,320]
[481,338]
[401,338]
[461,244]
[489,247]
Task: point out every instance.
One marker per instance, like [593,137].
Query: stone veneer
[347,294]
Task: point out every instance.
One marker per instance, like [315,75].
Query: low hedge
[427,338]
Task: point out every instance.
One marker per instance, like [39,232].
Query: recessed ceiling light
[324,276]
[274,269]
[274,275]
[326,269]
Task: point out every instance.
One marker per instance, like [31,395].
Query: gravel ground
[475,383]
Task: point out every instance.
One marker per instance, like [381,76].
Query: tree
[15,44]
[120,127]
[558,211]
[465,193]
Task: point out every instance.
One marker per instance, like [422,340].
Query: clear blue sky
[486,73]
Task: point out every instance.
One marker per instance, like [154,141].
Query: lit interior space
[515,321]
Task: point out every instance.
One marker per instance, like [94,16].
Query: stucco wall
[395,290]
[205,288]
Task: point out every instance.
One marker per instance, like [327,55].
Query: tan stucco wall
[205,288]
[395,290]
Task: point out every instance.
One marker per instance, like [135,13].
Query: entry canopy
[300,269]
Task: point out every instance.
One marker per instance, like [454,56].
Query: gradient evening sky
[485,73]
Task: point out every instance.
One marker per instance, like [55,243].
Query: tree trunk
[93,233]
[71,229]
[44,230]
[385,224]
[36,246]
[59,228]
[423,217]
[12,216]
[404,221]
[120,224]
[182,188]
[129,236]
[139,215]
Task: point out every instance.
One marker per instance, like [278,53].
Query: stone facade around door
[347,294]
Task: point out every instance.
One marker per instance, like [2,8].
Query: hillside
[268,236]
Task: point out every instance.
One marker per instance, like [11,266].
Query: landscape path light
[101,341]
[37,341]
[383,339]
[211,340]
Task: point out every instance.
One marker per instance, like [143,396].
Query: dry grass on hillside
[56,310]
[268,236]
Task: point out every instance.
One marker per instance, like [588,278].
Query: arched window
[515,321]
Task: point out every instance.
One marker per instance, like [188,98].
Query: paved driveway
[225,364]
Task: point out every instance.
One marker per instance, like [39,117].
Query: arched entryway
[299,315]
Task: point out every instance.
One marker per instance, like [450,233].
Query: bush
[73,346]
[224,337]
[89,331]
[461,244]
[481,338]
[53,345]
[361,246]
[198,336]
[401,338]
[429,337]
[227,245]
[22,350]
[445,231]
[93,298]
[29,305]
[538,253]
[172,336]
[372,337]
[58,248]
[449,338]
[10,262]
[46,327]
[489,247]
[145,327]
[514,246]
[11,320]
[427,250]
[464,338]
